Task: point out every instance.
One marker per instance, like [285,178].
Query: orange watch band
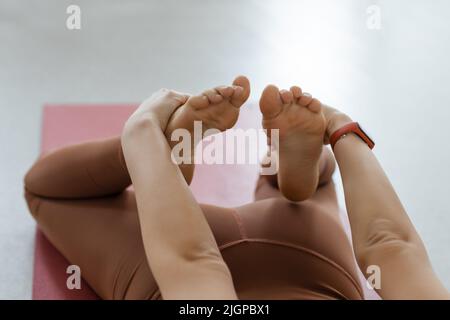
[355,128]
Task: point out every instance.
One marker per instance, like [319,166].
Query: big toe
[240,97]
[270,102]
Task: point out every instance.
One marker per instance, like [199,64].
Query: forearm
[383,235]
[375,211]
[174,229]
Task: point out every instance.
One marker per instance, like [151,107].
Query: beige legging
[275,249]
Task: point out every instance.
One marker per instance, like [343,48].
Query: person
[157,242]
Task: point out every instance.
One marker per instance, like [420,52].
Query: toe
[225,91]
[213,96]
[237,94]
[286,96]
[239,99]
[315,105]
[270,102]
[305,99]
[296,91]
[198,102]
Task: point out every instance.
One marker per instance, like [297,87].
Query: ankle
[297,192]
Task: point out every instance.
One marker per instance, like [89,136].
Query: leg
[96,169]
[87,170]
[216,108]
[314,225]
[76,196]
[93,223]
[293,251]
[102,235]
[268,187]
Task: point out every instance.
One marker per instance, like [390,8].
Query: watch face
[366,134]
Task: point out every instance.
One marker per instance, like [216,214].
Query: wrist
[351,140]
[336,122]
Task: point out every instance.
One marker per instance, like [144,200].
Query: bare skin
[216,108]
[301,125]
[383,235]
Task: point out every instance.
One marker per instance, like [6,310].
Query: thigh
[324,197]
[103,237]
[293,251]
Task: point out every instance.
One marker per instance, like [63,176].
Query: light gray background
[394,80]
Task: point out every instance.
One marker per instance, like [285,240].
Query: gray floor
[394,80]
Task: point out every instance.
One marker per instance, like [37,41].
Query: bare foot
[301,125]
[216,108]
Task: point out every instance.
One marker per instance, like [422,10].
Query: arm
[178,242]
[383,235]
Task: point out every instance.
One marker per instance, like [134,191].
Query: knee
[32,179]
[32,199]
[41,179]
[33,202]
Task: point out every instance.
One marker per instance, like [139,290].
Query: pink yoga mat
[66,124]
[63,125]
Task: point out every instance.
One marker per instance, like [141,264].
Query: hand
[158,108]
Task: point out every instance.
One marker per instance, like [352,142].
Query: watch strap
[355,128]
